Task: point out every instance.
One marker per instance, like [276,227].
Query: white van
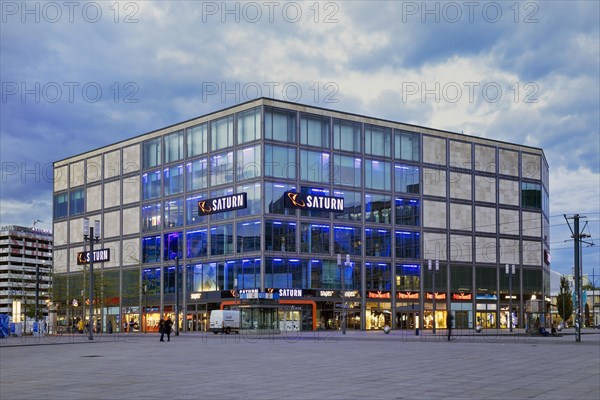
[225,321]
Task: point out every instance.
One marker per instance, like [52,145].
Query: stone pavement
[308,365]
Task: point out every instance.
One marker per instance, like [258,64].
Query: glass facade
[391,223]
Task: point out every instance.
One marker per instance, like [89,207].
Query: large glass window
[249,163]
[151,185]
[221,240]
[197,243]
[407,179]
[221,169]
[378,276]
[151,153]
[197,140]
[151,249]
[346,136]
[249,274]
[194,278]
[151,217]
[197,174]
[280,236]
[378,141]
[314,166]
[76,202]
[531,195]
[253,199]
[151,281]
[274,198]
[221,133]
[173,213]
[191,209]
[408,244]
[407,145]
[352,205]
[347,240]
[314,238]
[61,205]
[280,125]
[203,277]
[280,162]
[172,246]
[378,242]
[318,192]
[326,274]
[314,131]
[174,147]
[220,216]
[461,279]
[173,180]
[248,236]
[408,212]
[347,170]
[170,279]
[248,126]
[408,277]
[378,175]
[378,208]
[485,280]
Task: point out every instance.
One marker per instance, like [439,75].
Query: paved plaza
[319,365]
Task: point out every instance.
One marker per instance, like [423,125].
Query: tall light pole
[91,233]
[510,271]
[346,264]
[177,292]
[437,268]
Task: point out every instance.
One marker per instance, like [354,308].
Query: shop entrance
[461,319]
[406,320]
[197,322]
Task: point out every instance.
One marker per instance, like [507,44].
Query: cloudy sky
[80,75]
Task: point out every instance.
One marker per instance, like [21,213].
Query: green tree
[564,300]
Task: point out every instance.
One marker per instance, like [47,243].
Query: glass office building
[262,197]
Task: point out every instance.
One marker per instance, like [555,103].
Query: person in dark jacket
[168,326]
[161,329]
[449,323]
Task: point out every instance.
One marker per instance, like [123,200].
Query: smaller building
[590,297]
[24,254]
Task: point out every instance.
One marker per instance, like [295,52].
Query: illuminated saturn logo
[203,207]
[295,201]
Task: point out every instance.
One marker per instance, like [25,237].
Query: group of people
[165,326]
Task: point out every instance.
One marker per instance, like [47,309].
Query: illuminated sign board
[378,295]
[305,201]
[462,296]
[83,257]
[408,295]
[438,296]
[222,204]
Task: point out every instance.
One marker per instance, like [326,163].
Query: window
[249,274]
[346,136]
[407,277]
[408,244]
[314,238]
[407,179]
[169,278]
[151,153]
[248,126]
[280,236]
[408,212]
[221,133]
[151,217]
[151,249]
[191,209]
[253,200]
[76,202]
[280,125]
[378,141]
[197,243]
[378,208]
[150,281]
[347,170]
[314,166]
[197,174]
[248,236]
[248,163]
[151,185]
[173,213]
[173,180]
[378,276]
[221,169]
[378,175]
[314,131]
[531,195]
[378,242]
[61,205]
[174,147]
[197,140]
[274,198]
[221,240]
[202,277]
[220,216]
[280,162]
[318,192]
[352,205]
[347,240]
[407,145]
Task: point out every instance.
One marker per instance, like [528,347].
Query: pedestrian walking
[131,325]
[109,327]
[168,325]
[449,323]
[161,329]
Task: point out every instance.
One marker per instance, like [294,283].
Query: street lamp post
[346,264]
[437,268]
[510,271]
[91,233]
[177,295]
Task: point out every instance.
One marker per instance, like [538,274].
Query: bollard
[417,331]
[386,329]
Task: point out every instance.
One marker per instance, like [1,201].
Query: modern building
[25,270]
[258,200]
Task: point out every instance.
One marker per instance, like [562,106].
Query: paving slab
[306,365]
